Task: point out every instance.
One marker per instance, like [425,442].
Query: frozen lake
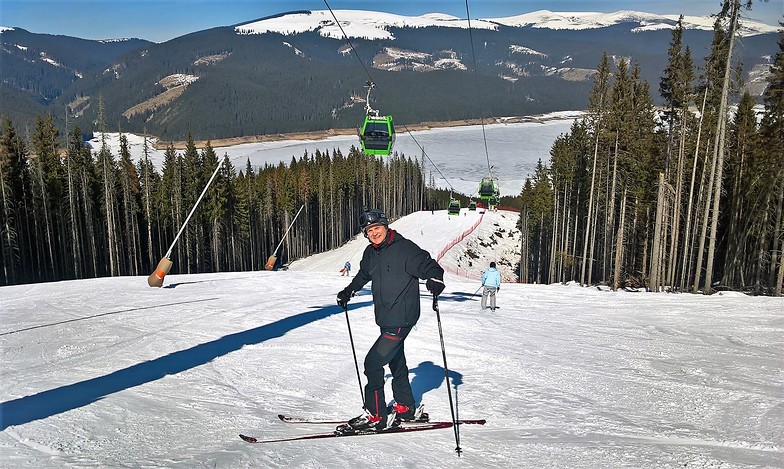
[458,152]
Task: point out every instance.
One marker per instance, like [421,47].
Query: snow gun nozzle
[156,277]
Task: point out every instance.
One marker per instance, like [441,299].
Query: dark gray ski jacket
[395,267]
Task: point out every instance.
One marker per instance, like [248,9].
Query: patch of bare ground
[157,101]
[78,105]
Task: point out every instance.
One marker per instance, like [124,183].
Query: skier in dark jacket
[394,264]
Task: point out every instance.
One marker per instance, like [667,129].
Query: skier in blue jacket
[491,280]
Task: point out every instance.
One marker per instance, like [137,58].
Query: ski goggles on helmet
[372,217]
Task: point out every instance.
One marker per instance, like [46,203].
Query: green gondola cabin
[486,189]
[454,207]
[377,135]
[472,206]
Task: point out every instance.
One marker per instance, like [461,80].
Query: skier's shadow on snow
[72,396]
[429,376]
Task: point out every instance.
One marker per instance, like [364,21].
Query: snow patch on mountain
[49,60]
[211,59]
[396,54]
[515,49]
[395,59]
[109,41]
[449,64]
[516,68]
[758,79]
[296,51]
[177,79]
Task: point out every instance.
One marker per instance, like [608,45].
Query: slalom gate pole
[271,260]
[446,376]
[354,351]
[156,278]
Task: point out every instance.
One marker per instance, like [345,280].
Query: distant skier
[491,280]
[393,264]
[346,269]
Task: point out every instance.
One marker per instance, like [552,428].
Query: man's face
[376,233]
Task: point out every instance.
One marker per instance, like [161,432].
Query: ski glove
[344,296]
[435,286]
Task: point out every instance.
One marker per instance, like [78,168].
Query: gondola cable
[476,83]
[487,190]
[371,83]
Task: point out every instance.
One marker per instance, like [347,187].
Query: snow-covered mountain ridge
[378,25]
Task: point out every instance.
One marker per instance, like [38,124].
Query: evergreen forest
[93,214]
[688,198]
[684,197]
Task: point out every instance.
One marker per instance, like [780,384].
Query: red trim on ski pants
[387,350]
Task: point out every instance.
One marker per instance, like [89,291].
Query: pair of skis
[403,428]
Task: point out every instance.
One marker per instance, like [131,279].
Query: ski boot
[367,423]
[409,414]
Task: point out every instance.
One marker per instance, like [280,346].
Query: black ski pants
[388,350]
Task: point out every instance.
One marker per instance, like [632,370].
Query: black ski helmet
[372,217]
[492,264]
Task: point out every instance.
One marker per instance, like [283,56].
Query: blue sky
[161,20]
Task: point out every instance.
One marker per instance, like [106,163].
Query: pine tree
[734,7]
[107,173]
[537,197]
[129,198]
[771,130]
[596,113]
[215,209]
[13,159]
[49,209]
[193,180]
[169,202]
[149,182]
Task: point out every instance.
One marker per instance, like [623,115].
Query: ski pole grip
[435,303]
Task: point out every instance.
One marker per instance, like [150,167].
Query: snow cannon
[156,278]
[270,265]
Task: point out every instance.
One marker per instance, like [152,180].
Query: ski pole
[446,375]
[477,290]
[354,351]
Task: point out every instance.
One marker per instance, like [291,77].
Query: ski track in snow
[565,376]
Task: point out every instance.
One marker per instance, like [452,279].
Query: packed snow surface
[112,373]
